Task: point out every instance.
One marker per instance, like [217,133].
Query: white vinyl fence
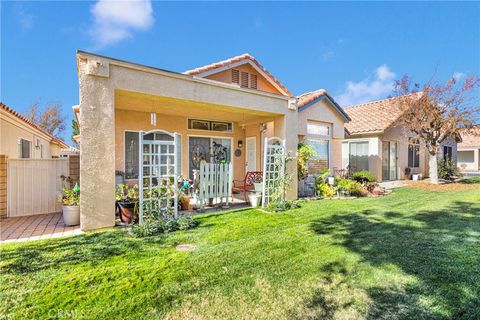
[34,186]
[215,182]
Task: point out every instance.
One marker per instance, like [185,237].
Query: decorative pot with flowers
[127,202]
[71,205]
[258,183]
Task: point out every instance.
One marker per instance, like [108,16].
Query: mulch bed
[443,186]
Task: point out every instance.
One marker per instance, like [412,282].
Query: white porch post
[97,160]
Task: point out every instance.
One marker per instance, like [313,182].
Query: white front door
[251,154]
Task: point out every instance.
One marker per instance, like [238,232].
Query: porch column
[97,145]
[285,127]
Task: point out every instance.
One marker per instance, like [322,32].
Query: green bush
[282,205]
[325,190]
[363,176]
[447,169]
[305,153]
[353,187]
[153,227]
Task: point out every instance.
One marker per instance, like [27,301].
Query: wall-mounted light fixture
[153,118]
[240,144]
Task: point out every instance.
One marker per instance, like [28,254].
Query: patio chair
[246,185]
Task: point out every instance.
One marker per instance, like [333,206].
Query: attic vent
[253,81]
[235,76]
[244,83]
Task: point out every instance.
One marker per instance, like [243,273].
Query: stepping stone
[186,247]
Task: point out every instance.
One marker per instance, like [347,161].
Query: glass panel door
[221,150]
[199,149]
[389,160]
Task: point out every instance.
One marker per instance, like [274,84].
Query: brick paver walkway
[36,227]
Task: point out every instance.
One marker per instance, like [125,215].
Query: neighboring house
[469,151]
[374,141]
[232,104]
[22,139]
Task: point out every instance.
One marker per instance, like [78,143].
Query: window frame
[449,152]
[125,153]
[415,148]
[20,148]
[210,125]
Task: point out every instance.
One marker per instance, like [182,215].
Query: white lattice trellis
[274,157]
[158,174]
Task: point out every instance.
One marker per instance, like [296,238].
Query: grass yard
[412,254]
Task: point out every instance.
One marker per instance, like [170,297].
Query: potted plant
[71,205]
[258,184]
[183,201]
[127,202]
[255,199]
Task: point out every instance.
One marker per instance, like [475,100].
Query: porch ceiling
[134,101]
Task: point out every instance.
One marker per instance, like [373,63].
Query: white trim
[211,120]
[239,63]
[255,145]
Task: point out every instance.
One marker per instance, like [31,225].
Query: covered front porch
[213,122]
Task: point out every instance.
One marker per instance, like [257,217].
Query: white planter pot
[258,186]
[71,215]
[255,199]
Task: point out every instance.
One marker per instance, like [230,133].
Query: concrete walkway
[43,226]
[391,184]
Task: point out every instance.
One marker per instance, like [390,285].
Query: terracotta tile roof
[470,138]
[33,125]
[376,116]
[239,58]
[305,99]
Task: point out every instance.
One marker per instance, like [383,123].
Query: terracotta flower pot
[127,211]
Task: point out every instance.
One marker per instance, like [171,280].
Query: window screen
[321,160]
[358,159]
[447,152]
[318,129]
[413,156]
[25,148]
[131,155]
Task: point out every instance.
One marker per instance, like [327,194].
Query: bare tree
[437,112]
[50,118]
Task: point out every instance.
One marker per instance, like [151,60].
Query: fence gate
[158,174]
[215,182]
[34,186]
[273,170]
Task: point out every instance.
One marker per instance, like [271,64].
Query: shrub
[447,169]
[363,176]
[305,153]
[185,223]
[153,227]
[325,190]
[353,187]
[283,205]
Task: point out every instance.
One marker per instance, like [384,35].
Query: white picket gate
[34,186]
[215,182]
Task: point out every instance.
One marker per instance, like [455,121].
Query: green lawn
[412,254]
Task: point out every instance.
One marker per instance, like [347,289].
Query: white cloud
[114,21]
[458,75]
[24,19]
[377,86]
[327,55]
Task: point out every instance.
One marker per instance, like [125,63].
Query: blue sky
[355,50]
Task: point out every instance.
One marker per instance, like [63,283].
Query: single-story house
[469,151]
[20,138]
[375,141]
[230,106]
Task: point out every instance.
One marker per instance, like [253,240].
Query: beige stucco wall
[226,77]
[323,112]
[12,129]
[99,77]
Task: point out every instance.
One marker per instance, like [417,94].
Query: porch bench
[246,185]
